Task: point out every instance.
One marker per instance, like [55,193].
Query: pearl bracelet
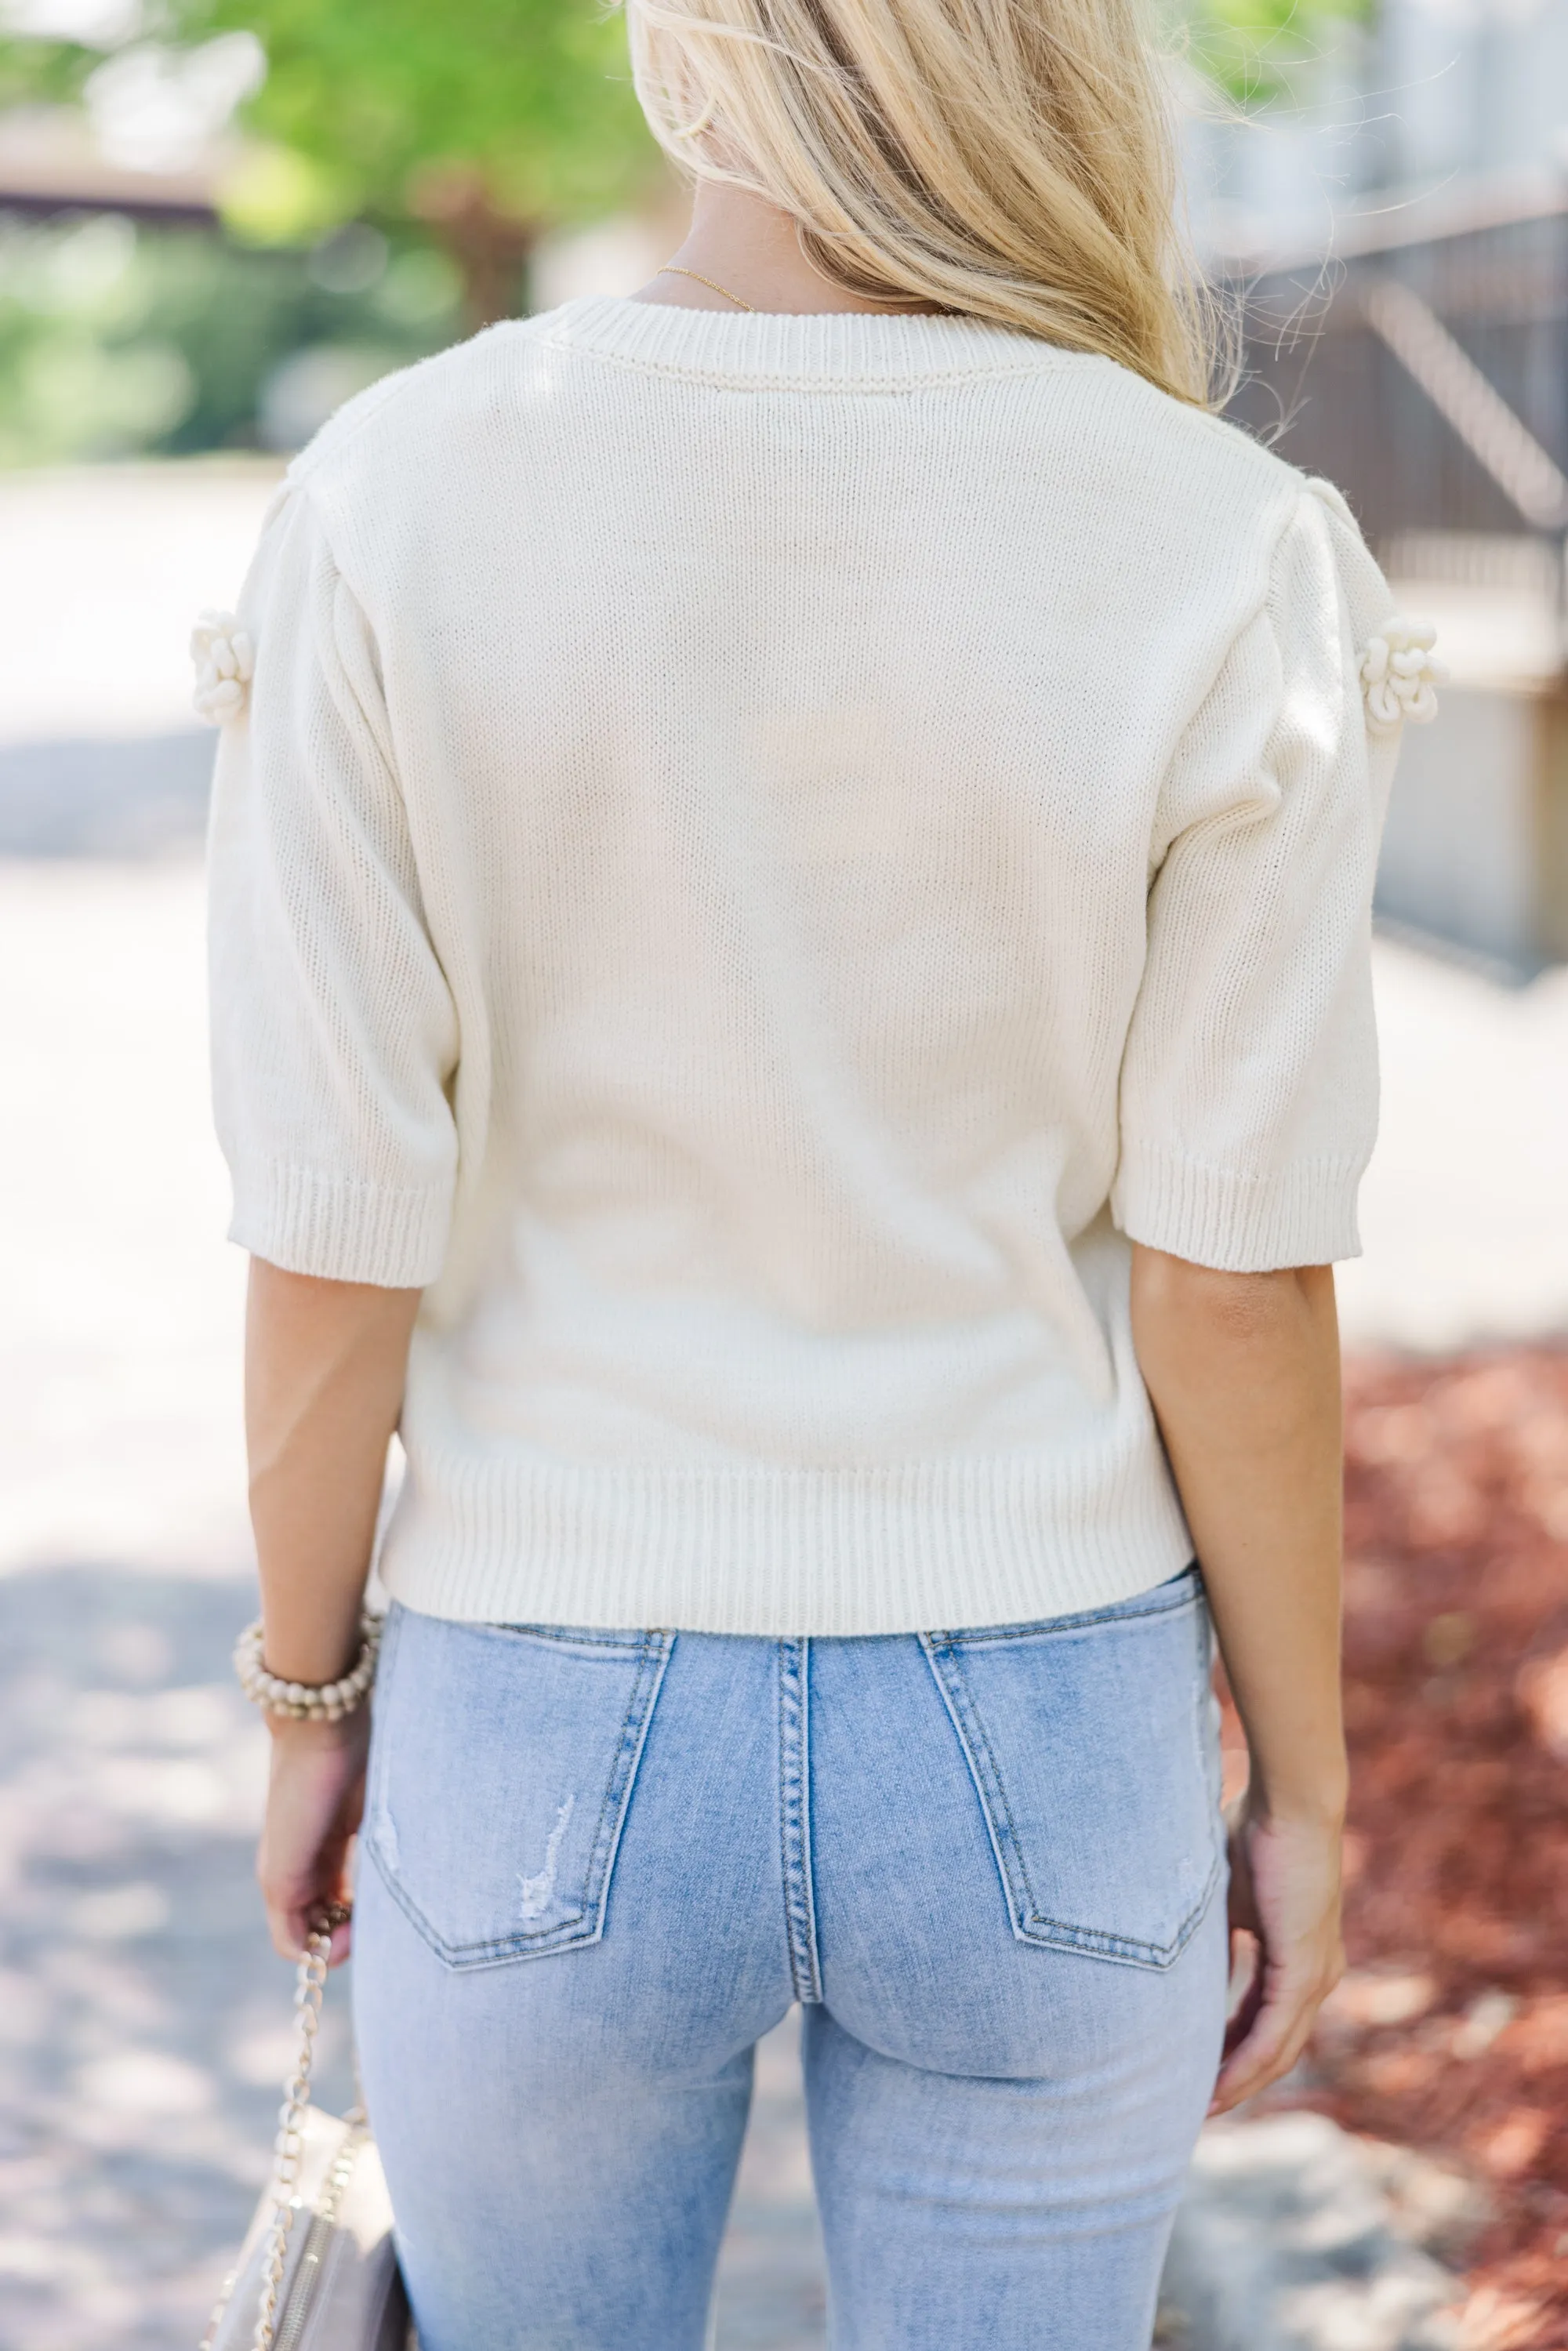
[308,1701]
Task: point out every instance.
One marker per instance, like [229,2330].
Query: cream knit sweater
[758,852]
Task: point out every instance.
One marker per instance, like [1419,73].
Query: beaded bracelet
[308,1701]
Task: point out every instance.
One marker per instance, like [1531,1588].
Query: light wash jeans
[598,1865]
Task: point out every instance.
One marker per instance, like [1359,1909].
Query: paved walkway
[142,2024]
[143,2021]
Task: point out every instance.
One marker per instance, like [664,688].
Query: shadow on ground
[143,797]
[144,2022]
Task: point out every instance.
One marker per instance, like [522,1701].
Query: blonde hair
[1011,160]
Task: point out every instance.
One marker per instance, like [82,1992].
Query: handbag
[317,2270]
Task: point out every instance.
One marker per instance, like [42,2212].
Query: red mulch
[1450,2033]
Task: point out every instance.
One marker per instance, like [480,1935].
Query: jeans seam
[795,1817]
[627,1751]
[1117,1612]
[987,1770]
[575,1636]
[375,1790]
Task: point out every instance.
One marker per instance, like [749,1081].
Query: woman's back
[791,908]
[685,890]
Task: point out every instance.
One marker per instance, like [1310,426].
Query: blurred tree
[119,339]
[488,120]
[40,72]
[492,120]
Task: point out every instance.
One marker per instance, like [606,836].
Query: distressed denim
[596,1866]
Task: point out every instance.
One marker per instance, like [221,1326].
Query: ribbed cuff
[307,1222]
[1301,1215]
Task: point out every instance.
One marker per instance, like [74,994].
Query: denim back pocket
[501,1768]
[1088,1741]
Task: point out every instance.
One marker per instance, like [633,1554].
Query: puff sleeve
[334,1037]
[1248,1086]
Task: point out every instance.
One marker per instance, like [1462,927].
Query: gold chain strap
[289,2143]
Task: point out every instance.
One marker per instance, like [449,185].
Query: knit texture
[759,853]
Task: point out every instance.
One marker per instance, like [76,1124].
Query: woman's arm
[324,1364]
[1243,1370]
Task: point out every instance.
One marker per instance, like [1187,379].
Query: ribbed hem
[922,1547]
[814,351]
[1301,1214]
[307,1222]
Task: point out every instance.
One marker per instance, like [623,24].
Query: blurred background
[220,218]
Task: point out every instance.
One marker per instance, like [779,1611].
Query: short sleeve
[1249,1095]
[334,1037]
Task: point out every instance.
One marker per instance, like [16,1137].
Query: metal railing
[1428,377]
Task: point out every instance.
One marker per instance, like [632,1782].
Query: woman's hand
[1285,1891]
[315,1796]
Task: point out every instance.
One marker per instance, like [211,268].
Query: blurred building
[1399,252]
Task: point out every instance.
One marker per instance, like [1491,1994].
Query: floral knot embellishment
[1398,675]
[224,659]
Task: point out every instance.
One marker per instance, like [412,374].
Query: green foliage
[118,341]
[532,99]
[491,119]
[488,120]
[534,96]
[41,72]
[1252,49]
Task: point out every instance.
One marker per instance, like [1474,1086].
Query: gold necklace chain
[673,269]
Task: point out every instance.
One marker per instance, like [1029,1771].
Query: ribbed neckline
[854,350]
